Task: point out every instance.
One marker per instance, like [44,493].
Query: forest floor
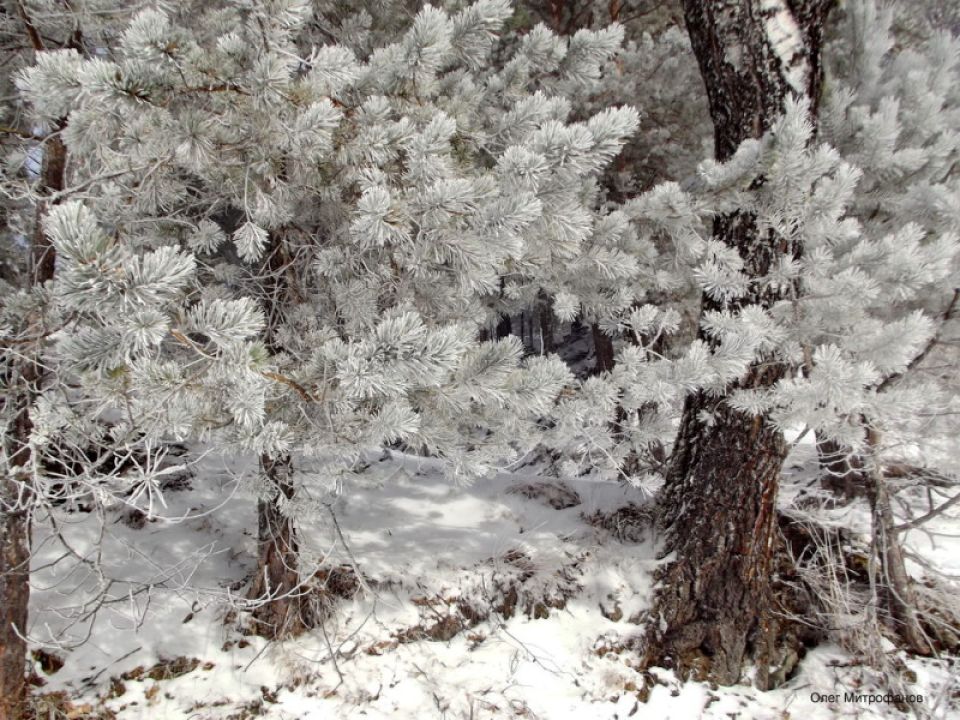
[514,597]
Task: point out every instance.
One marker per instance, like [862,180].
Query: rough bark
[713,607]
[719,509]
[24,378]
[283,610]
[14,599]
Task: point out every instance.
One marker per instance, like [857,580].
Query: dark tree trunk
[504,324]
[14,599]
[712,607]
[283,611]
[24,378]
[545,308]
[14,568]
[602,350]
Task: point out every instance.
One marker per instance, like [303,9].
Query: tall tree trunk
[712,607]
[24,379]
[283,611]
[15,558]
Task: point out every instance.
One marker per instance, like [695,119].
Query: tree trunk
[15,487]
[897,587]
[277,586]
[545,311]
[602,350]
[283,611]
[712,609]
[14,588]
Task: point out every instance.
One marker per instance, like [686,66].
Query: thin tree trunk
[15,495]
[713,606]
[283,611]
[897,586]
[14,571]
[504,325]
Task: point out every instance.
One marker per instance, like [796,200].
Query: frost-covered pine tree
[352,218]
[289,229]
[890,111]
[656,70]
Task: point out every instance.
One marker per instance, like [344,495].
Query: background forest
[536,359]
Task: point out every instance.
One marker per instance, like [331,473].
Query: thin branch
[917,522]
[28,25]
[7,130]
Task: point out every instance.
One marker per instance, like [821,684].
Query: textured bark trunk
[283,611]
[712,609]
[15,498]
[721,514]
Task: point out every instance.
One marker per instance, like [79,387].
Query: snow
[416,536]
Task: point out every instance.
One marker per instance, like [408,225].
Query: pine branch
[945,317]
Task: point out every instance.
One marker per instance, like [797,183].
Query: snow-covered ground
[413,642]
